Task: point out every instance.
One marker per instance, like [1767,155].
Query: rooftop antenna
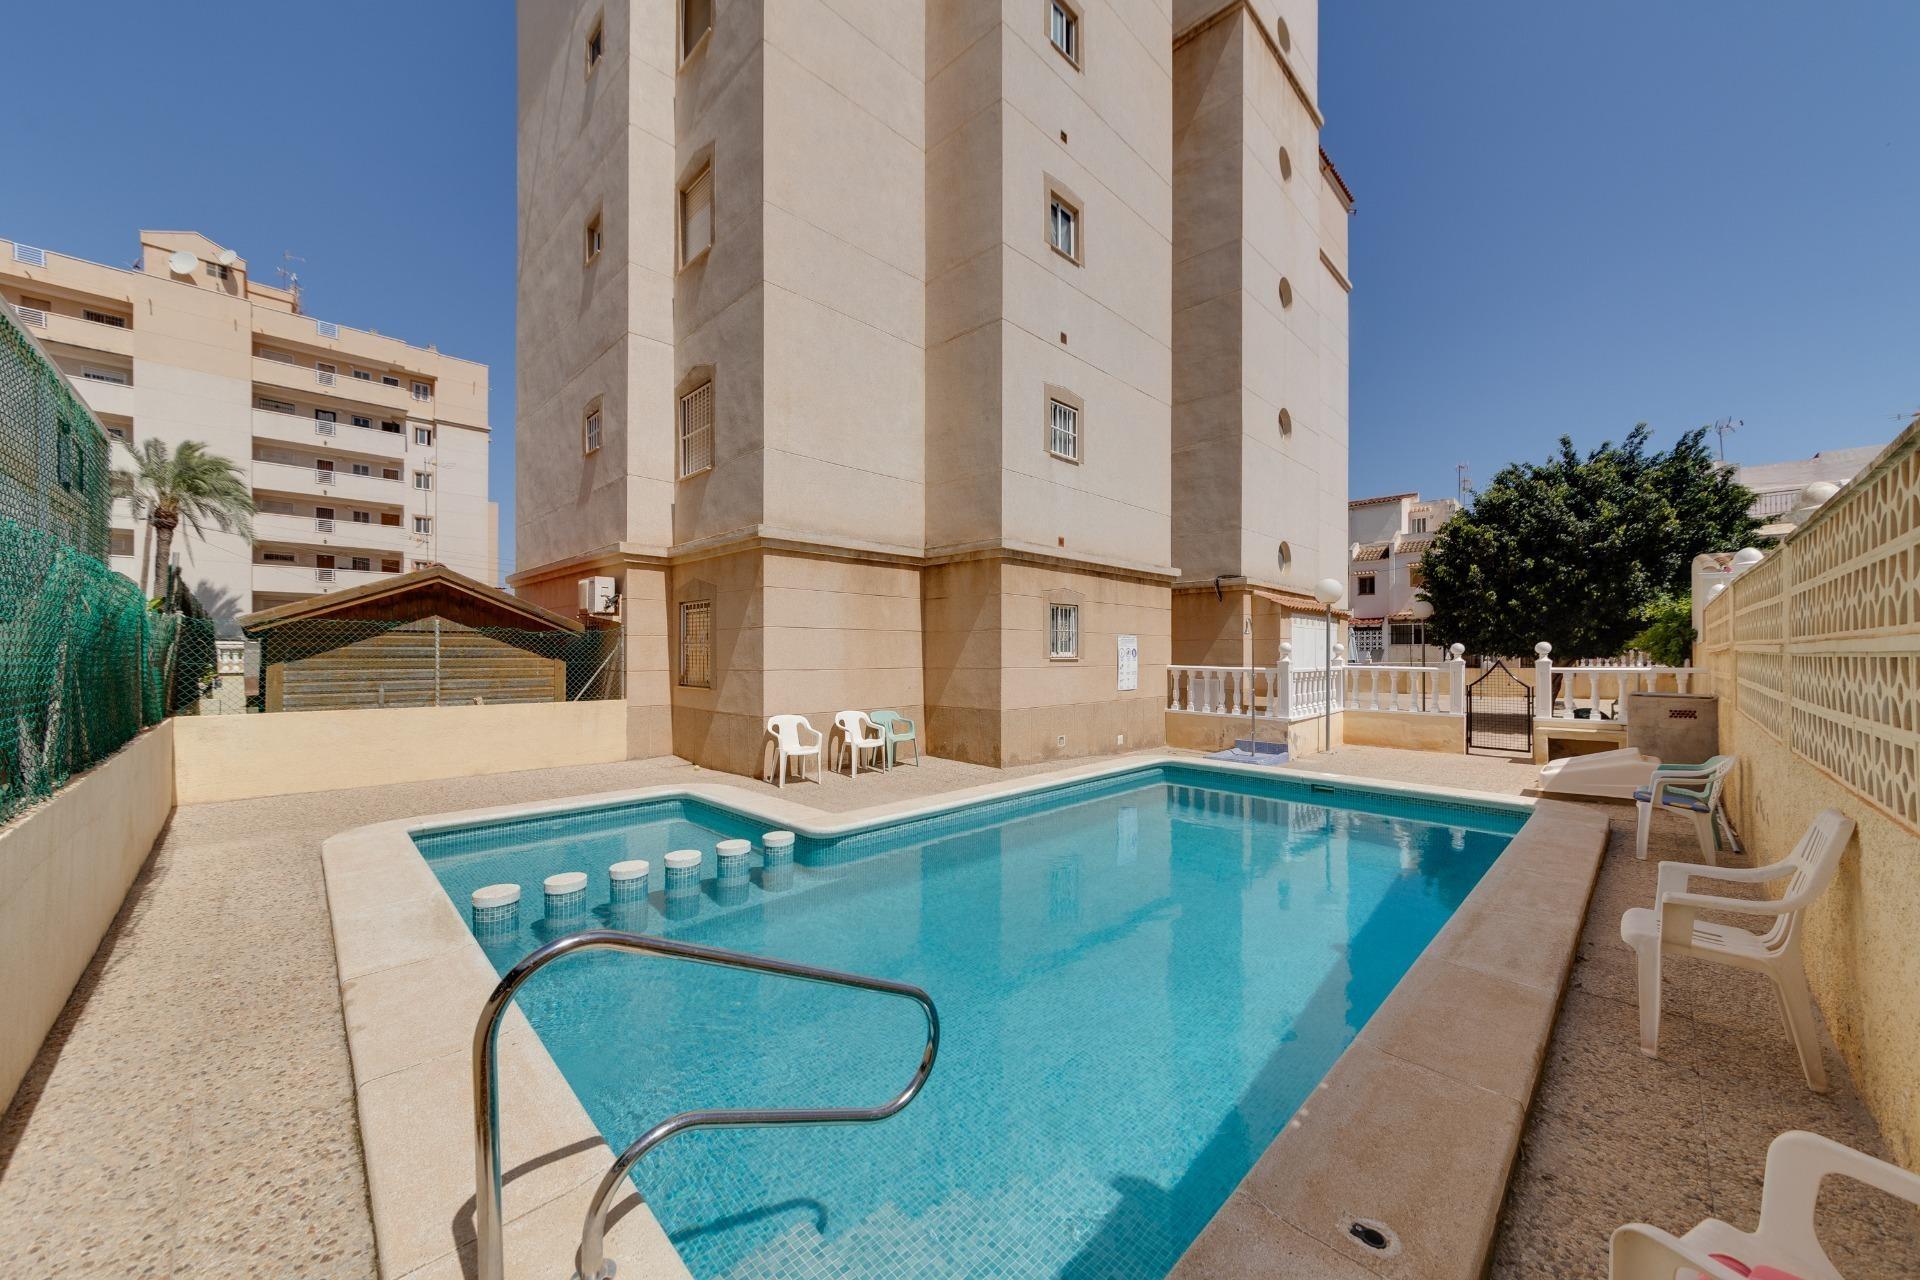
[1465,483]
[290,279]
[1724,428]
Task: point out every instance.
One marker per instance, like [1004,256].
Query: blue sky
[1570,217]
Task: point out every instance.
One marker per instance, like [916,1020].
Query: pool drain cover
[1372,1236]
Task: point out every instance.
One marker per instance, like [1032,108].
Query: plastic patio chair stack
[1785,1243]
[790,744]
[1669,928]
[896,729]
[858,733]
[1695,790]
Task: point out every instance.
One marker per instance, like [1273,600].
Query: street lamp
[1328,592]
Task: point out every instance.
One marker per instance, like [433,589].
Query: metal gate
[1499,711]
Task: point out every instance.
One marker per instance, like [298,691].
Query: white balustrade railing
[1384,686]
[1225,691]
[1587,692]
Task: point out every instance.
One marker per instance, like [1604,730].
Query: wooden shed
[428,638]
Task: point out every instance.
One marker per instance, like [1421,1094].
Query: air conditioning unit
[599,597]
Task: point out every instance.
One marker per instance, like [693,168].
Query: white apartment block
[1388,538]
[367,455]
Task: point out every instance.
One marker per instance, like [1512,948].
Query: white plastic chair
[1693,790]
[1785,1239]
[1669,927]
[858,733]
[789,744]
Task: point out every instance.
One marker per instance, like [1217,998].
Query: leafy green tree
[1575,550]
[1668,634]
[189,485]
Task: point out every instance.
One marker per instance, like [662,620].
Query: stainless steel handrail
[591,1260]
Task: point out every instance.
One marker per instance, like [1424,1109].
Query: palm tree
[188,484]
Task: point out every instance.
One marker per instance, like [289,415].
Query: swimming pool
[1139,979]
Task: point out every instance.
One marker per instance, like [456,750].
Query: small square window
[120,542]
[1063,29]
[359,421]
[595,241]
[696,430]
[422,391]
[389,473]
[391,428]
[422,524]
[696,644]
[1063,430]
[361,564]
[389,566]
[363,517]
[218,270]
[388,380]
[1363,587]
[423,480]
[590,432]
[363,375]
[596,45]
[423,435]
[696,216]
[696,19]
[1063,227]
[361,468]
[1063,631]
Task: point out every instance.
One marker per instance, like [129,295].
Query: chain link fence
[333,665]
[84,665]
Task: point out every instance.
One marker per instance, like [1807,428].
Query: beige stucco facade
[881,322]
[366,455]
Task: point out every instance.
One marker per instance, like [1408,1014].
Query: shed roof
[409,595]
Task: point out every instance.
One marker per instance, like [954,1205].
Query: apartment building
[847,347]
[367,455]
[1389,536]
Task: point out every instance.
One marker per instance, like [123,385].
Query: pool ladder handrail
[591,1261]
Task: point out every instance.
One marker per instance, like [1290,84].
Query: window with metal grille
[590,432]
[102,317]
[696,19]
[1063,631]
[696,216]
[1063,28]
[696,644]
[696,430]
[1063,227]
[1063,431]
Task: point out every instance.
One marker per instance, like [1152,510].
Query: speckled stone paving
[192,1113]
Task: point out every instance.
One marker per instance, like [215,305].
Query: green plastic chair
[896,728]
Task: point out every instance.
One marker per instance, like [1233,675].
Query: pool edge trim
[409,1093]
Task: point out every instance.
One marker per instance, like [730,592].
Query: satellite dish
[182,263]
[228,257]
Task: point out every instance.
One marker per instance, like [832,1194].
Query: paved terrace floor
[192,1112]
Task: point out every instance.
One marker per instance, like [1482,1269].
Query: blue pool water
[1139,980]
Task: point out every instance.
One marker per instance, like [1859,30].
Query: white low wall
[65,868]
[237,757]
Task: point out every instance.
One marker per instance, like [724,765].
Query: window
[391,428]
[696,430]
[361,564]
[360,421]
[279,557]
[363,517]
[388,380]
[118,377]
[218,270]
[696,19]
[389,473]
[390,519]
[1063,430]
[594,240]
[325,415]
[363,375]
[120,542]
[1416,577]
[1063,28]
[696,644]
[423,479]
[278,357]
[1363,587]
[696,216]
[422,391]
[1063,631]
[275,406]
[1063,227]
[361,468]
[421,435]
[389,566]
[1418,524]
[590,432]
[116,432]
[596,45]
[101,317]
[422,524]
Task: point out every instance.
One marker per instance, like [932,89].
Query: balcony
[74,331]
[294,428]
[307,380]
[105,397]
[338,485]
[306,580]
[341,535]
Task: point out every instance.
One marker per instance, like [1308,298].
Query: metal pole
[1326,707]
